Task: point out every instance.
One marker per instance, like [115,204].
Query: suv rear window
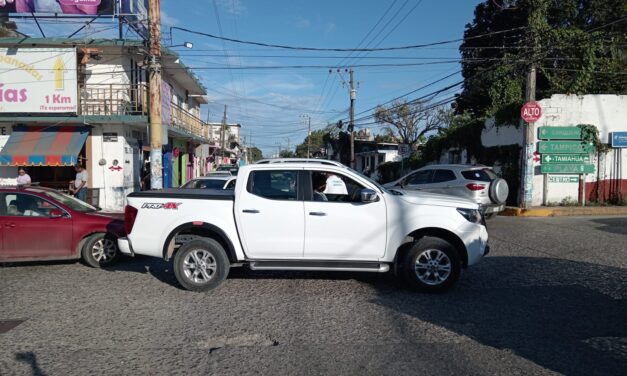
[479,175]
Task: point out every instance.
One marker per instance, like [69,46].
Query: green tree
[254,154]
[316,146]
[578,46]
[409,122]
[287,154]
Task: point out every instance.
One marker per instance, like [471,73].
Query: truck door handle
[11,225]
[319,214]
[251,211]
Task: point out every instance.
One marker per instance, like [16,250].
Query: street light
[189,45]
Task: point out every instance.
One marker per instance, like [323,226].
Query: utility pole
[156,158]
[527,181]
[535,15]
[223,134]
[308,136]
[351,124]
[308,133]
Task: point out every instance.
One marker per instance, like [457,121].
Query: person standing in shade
[22,177]
[79,186]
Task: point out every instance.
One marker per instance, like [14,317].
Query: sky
[270,97]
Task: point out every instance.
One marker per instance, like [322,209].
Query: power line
[344,49]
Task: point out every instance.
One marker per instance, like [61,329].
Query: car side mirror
[368,195]
[56,213]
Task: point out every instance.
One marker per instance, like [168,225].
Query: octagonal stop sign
[531,112]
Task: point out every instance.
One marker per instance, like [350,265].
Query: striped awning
[43,145]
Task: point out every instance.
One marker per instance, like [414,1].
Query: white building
[607,112]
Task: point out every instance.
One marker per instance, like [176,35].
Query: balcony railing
[184,120]
[113,99]
[126,99]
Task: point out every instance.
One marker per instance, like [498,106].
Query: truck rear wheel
[431,265]
[201,265]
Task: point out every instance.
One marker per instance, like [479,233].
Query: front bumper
[476,242]
[125,246]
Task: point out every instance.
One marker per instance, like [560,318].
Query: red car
[39,223]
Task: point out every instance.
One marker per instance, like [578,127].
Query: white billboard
[38,80]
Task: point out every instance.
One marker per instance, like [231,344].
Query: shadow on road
[614,225]
[156,267]
[569,317]
[30,359]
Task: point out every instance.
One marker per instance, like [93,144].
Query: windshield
[205,184]
[69,201]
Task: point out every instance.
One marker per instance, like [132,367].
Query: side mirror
[56,213]
[368,195]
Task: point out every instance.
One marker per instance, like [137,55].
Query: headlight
[471,215]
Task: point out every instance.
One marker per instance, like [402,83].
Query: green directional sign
[565,158]
[565,147]
[566,168]
[560,133]
[563,179]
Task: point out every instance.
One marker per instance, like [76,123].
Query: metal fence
[186,121]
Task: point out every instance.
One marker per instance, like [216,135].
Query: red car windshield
[67,200]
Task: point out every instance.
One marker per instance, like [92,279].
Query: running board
[346,266]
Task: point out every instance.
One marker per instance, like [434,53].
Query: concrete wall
[114,181]
[609,114]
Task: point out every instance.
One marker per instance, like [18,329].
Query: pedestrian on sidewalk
[22,177]
[78,187]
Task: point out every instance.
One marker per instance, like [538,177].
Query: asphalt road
[551,298]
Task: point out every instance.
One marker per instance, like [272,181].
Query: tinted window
[334,187]
[479,175]
[420,177]
[441,176]
[276,185]
[23,205]
[205,184]
[69,201]
[231,184]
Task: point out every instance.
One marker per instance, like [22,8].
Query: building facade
[604,181]
[87,102]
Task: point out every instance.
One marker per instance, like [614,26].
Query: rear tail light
[475,187]
[130,213]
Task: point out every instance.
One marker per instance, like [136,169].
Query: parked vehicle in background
[233,169]
[277,218]
[476,182]
[211,182]
[44,224]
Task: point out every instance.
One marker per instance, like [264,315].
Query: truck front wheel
[431,265]
[201,265]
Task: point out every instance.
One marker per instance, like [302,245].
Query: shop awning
[44,145]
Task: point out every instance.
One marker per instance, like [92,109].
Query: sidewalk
[562,211]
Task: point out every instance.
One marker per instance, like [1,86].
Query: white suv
[475,182]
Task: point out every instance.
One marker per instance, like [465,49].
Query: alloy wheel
[433,267]
[104,250]
[199,266]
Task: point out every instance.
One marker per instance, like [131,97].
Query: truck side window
[274,184]
[338,188]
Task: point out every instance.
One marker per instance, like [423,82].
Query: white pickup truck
[280,218]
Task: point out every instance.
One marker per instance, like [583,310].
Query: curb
[512,211]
